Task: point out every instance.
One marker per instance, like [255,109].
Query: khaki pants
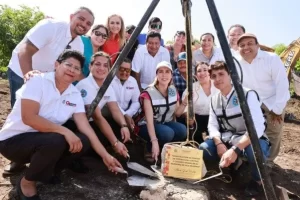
[274,133]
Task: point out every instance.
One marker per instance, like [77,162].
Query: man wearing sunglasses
[127,92]
[40,49]
[155,24]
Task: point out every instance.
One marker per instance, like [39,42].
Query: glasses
[130,31]
[123,69]
[68,45]
[71,67]
[103,35]
[156,26]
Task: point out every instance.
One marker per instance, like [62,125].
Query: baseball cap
[181,56]
[130,28]
[164,64]
[246,35]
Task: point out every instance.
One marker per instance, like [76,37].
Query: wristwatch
[236,150]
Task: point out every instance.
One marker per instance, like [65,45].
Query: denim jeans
[167,132]
[247,152]
[15,83]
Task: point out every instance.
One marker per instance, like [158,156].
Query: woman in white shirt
[208,52]
[203,89]
[34,132]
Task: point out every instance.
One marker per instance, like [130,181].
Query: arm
[135,104]
[85,128]
[213,126]
[119,118]
[282,85]
[137,64]
[35,39]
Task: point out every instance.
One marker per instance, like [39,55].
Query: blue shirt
[142,39]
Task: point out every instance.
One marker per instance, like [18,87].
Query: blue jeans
[247,152]
[167,132]
[15,83]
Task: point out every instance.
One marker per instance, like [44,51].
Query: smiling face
[81,22]
[100,68]
[234,34]
[179,39]
[68,70]
[114,24]
[202,73]
[221,79]
[99,37]
[248,48]
[153,45]
[124,71]
[207,42]
[164,76]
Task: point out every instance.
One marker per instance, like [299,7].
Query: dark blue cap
[181,56]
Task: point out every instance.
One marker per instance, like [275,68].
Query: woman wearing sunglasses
[116,40]
[93,44]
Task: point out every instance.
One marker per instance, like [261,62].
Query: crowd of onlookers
[56,71]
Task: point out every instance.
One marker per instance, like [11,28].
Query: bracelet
[115,144]
[124,125]
[154,140]
[219,143]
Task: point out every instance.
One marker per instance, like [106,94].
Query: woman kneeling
[33,131]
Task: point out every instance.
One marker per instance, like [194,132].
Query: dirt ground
[101,184]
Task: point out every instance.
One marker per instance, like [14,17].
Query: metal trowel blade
[141,169]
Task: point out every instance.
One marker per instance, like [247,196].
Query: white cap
[164,64]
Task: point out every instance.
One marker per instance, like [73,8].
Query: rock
[176,191]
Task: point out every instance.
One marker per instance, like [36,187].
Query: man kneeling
[227,130]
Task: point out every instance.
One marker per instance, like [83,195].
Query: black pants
[47,153]
[202,122]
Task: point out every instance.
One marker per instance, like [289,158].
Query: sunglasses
[122,69]
[156,26]
[103,35]
[130,31]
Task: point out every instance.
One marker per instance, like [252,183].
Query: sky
[272,21]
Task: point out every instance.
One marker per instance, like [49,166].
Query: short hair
[218,65]
[86,9]
[102,54]
[98,26]
[237,26]
[71,53]
[153,34]
[154,20]
[213,37]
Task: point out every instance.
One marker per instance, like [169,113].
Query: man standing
[234,32]
[40,49]
[266,75]
[43,44]
[127,92]
[146,59]
[155,24]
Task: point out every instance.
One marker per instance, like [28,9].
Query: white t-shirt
[55,107]
[198,56]
[126,93]
[201,101]
[89,89]
[51,37]
[145,64]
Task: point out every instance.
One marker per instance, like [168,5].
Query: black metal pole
[121,57]
[186,5]
[260,162]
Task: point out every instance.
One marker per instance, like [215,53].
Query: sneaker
[253,189]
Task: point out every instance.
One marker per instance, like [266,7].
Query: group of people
[56,71]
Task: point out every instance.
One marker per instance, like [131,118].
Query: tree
[279,48]
[14,24]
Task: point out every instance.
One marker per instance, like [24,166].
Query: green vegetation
[14,24]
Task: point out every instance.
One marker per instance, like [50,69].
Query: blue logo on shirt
[235,101]
[171,92]
[83,93]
